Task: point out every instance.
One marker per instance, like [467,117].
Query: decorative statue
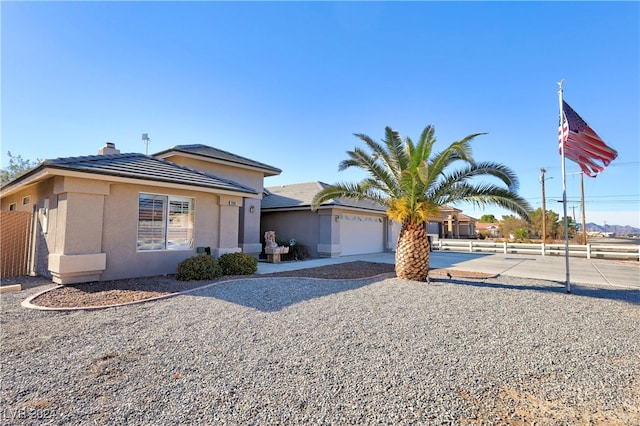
[272,249]
[270,239]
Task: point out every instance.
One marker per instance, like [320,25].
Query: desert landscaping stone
[276,350]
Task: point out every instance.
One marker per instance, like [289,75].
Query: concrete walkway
[597,272]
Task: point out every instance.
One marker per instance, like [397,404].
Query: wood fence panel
[15,233]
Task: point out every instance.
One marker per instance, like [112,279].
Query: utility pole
[584,221]
[544,207]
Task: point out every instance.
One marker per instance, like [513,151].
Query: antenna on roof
[145,139]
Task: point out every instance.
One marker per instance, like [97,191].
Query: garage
[361,234]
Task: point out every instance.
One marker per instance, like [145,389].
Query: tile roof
[301,194]
[466,218]
[218,154]
[140,166]
[482,226]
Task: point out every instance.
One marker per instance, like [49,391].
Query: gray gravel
[304,351]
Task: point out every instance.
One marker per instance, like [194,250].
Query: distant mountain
[616,229]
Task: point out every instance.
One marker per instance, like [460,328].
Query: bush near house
[521,234]
[296,252]
[238,264]
[198,268]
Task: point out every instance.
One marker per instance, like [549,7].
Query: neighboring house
[491,229]
[467,226]
[342,227]
[455,224]
[114,215]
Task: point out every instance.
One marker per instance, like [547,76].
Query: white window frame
[26,200]
[13,207]
[168,225]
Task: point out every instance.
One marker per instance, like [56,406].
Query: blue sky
[288,83]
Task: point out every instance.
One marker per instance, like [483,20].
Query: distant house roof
[134,166]
[219,155]
[299,196]
[483,226]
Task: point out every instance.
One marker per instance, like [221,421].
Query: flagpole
[564,192]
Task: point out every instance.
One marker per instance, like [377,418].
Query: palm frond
[378,152]
[472,170]
[484,194]
[413,182]
[456,151]
[423,147]
[359,158]
[354,191]
[395,148]
[497,170]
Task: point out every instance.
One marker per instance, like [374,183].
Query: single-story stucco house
[114,215]
[339,227]
[490,229]
[343,227]
[455,224]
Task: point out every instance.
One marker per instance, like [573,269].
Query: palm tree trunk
[412,252]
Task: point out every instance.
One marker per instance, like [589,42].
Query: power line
[594,199]
[613,164]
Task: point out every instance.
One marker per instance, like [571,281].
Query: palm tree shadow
[621,294]
[272,295]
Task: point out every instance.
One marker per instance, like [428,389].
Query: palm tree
[412,182]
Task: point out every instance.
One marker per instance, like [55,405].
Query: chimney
[108,148]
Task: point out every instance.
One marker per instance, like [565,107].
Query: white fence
[589,251]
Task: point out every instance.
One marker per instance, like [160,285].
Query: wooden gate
[15,236]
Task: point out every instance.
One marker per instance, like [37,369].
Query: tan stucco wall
[250,178]
[319,230]
[249,229]
[228,225]
[304,226]
[45,235]
[17,197]
[79,223]
[121,227]
[89,231]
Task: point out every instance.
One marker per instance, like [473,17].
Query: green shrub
[521,233]
[296,252]
[238,264]
[198,268]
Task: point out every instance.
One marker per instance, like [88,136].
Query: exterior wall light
[252,209]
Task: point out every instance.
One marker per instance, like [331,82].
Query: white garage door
[360,234]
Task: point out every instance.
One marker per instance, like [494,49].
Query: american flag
[583,145]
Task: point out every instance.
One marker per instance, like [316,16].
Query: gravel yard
[277,350]
[105,293]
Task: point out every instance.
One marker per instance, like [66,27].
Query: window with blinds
[165,222]
[180,225]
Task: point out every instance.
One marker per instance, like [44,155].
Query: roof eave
[307,207]
[51,171]
[27,179]
[266,171]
